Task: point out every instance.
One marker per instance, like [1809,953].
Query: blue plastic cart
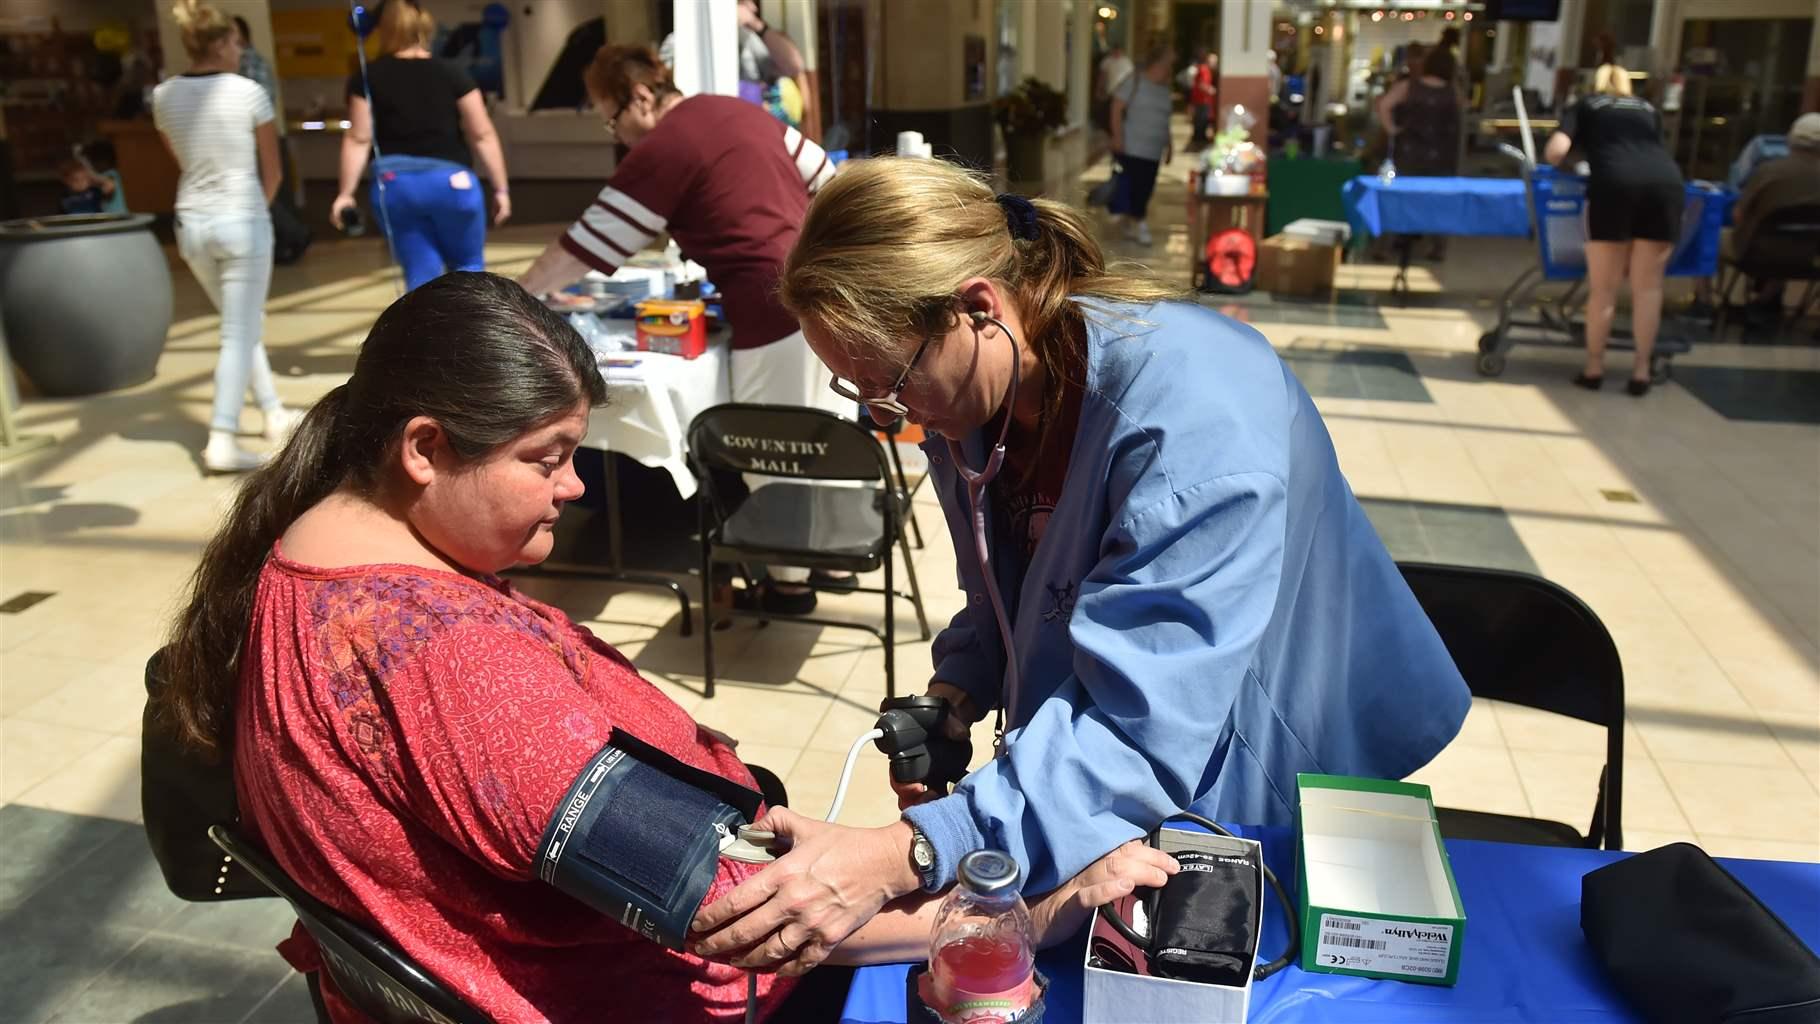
[1557,210]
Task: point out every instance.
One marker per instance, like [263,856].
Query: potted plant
[1027,115]
[85,299]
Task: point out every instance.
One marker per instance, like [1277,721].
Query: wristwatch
[922,857]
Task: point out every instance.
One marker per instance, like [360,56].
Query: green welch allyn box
[1378,897]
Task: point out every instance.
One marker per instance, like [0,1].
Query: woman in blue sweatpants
[421,116]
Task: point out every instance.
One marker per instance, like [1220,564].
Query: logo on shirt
[1061,601]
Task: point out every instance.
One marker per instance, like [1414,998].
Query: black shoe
[834,583]
[1638,388]
[768,598]
[1589,383]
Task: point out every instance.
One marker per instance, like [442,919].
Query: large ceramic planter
[86,300]
[1024,169]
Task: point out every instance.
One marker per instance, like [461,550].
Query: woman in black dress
[1633,213]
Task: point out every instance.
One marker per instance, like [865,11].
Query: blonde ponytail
[202,27]
[887,244]
[1612,79]
[404,26]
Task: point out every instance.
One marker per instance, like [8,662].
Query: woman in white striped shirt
[219,127]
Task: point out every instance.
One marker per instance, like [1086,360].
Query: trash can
[86,300]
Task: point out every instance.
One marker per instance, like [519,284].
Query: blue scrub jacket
[1209,612]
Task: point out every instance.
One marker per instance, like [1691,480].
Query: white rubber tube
[846,772]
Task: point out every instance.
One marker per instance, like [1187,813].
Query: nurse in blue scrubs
[1173,601]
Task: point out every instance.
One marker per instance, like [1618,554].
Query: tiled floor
[1709,580]
[1767,396]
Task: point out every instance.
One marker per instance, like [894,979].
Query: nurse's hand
[1059,914]
[791,915]
[956,726]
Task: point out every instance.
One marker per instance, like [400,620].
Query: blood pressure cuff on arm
[1686,941]
[637,837]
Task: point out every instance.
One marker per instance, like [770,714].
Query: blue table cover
[1524,961]
[1493,207]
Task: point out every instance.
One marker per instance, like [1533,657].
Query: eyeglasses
[888,402]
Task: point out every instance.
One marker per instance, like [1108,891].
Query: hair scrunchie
[1020,216]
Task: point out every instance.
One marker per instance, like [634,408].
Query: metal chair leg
[687,625]
[916,590]
[890,618]
[1727,278]
[707,610]
[903,487]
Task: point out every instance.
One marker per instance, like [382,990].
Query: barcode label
[1375,946]
[1353,942]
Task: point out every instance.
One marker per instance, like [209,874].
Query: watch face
[922,853]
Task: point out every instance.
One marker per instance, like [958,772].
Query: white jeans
[785,372]
[231,256]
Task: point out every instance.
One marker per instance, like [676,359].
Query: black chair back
[1522,639]
[379,979]
[1785,245]
[182,793]
[785,441]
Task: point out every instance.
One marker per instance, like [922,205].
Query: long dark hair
[472,351]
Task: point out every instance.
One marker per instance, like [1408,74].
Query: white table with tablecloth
[651,400]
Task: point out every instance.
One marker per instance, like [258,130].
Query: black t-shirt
[414,111]
[1622,139]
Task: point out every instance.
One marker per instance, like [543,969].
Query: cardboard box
[1378,897]
[1296,266]
[1115,996]
[1321,232]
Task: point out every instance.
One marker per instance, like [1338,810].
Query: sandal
[1589,383]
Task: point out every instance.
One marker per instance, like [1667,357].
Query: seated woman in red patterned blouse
[406,726]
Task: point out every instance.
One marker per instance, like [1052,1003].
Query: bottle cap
[991,873]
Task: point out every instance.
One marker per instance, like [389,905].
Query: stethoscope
[977,481]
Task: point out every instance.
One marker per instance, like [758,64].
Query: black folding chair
[377,977]
[1521,639]
[1784,247]
[815,525]
[891,430]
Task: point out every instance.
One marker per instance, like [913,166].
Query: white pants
[231,256]
[785,372]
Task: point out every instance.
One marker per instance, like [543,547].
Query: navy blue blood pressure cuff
[636,837]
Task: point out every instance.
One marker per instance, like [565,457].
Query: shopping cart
[1557,212]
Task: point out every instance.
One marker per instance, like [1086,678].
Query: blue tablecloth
[1524,960]
[1495,207]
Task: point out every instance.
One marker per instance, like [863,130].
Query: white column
[1244,38]
[1573,32]
[1028,48]
[1665,37]
[798,22]
[707,47]
[1080,65]
[1500,47]
[1813,44]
